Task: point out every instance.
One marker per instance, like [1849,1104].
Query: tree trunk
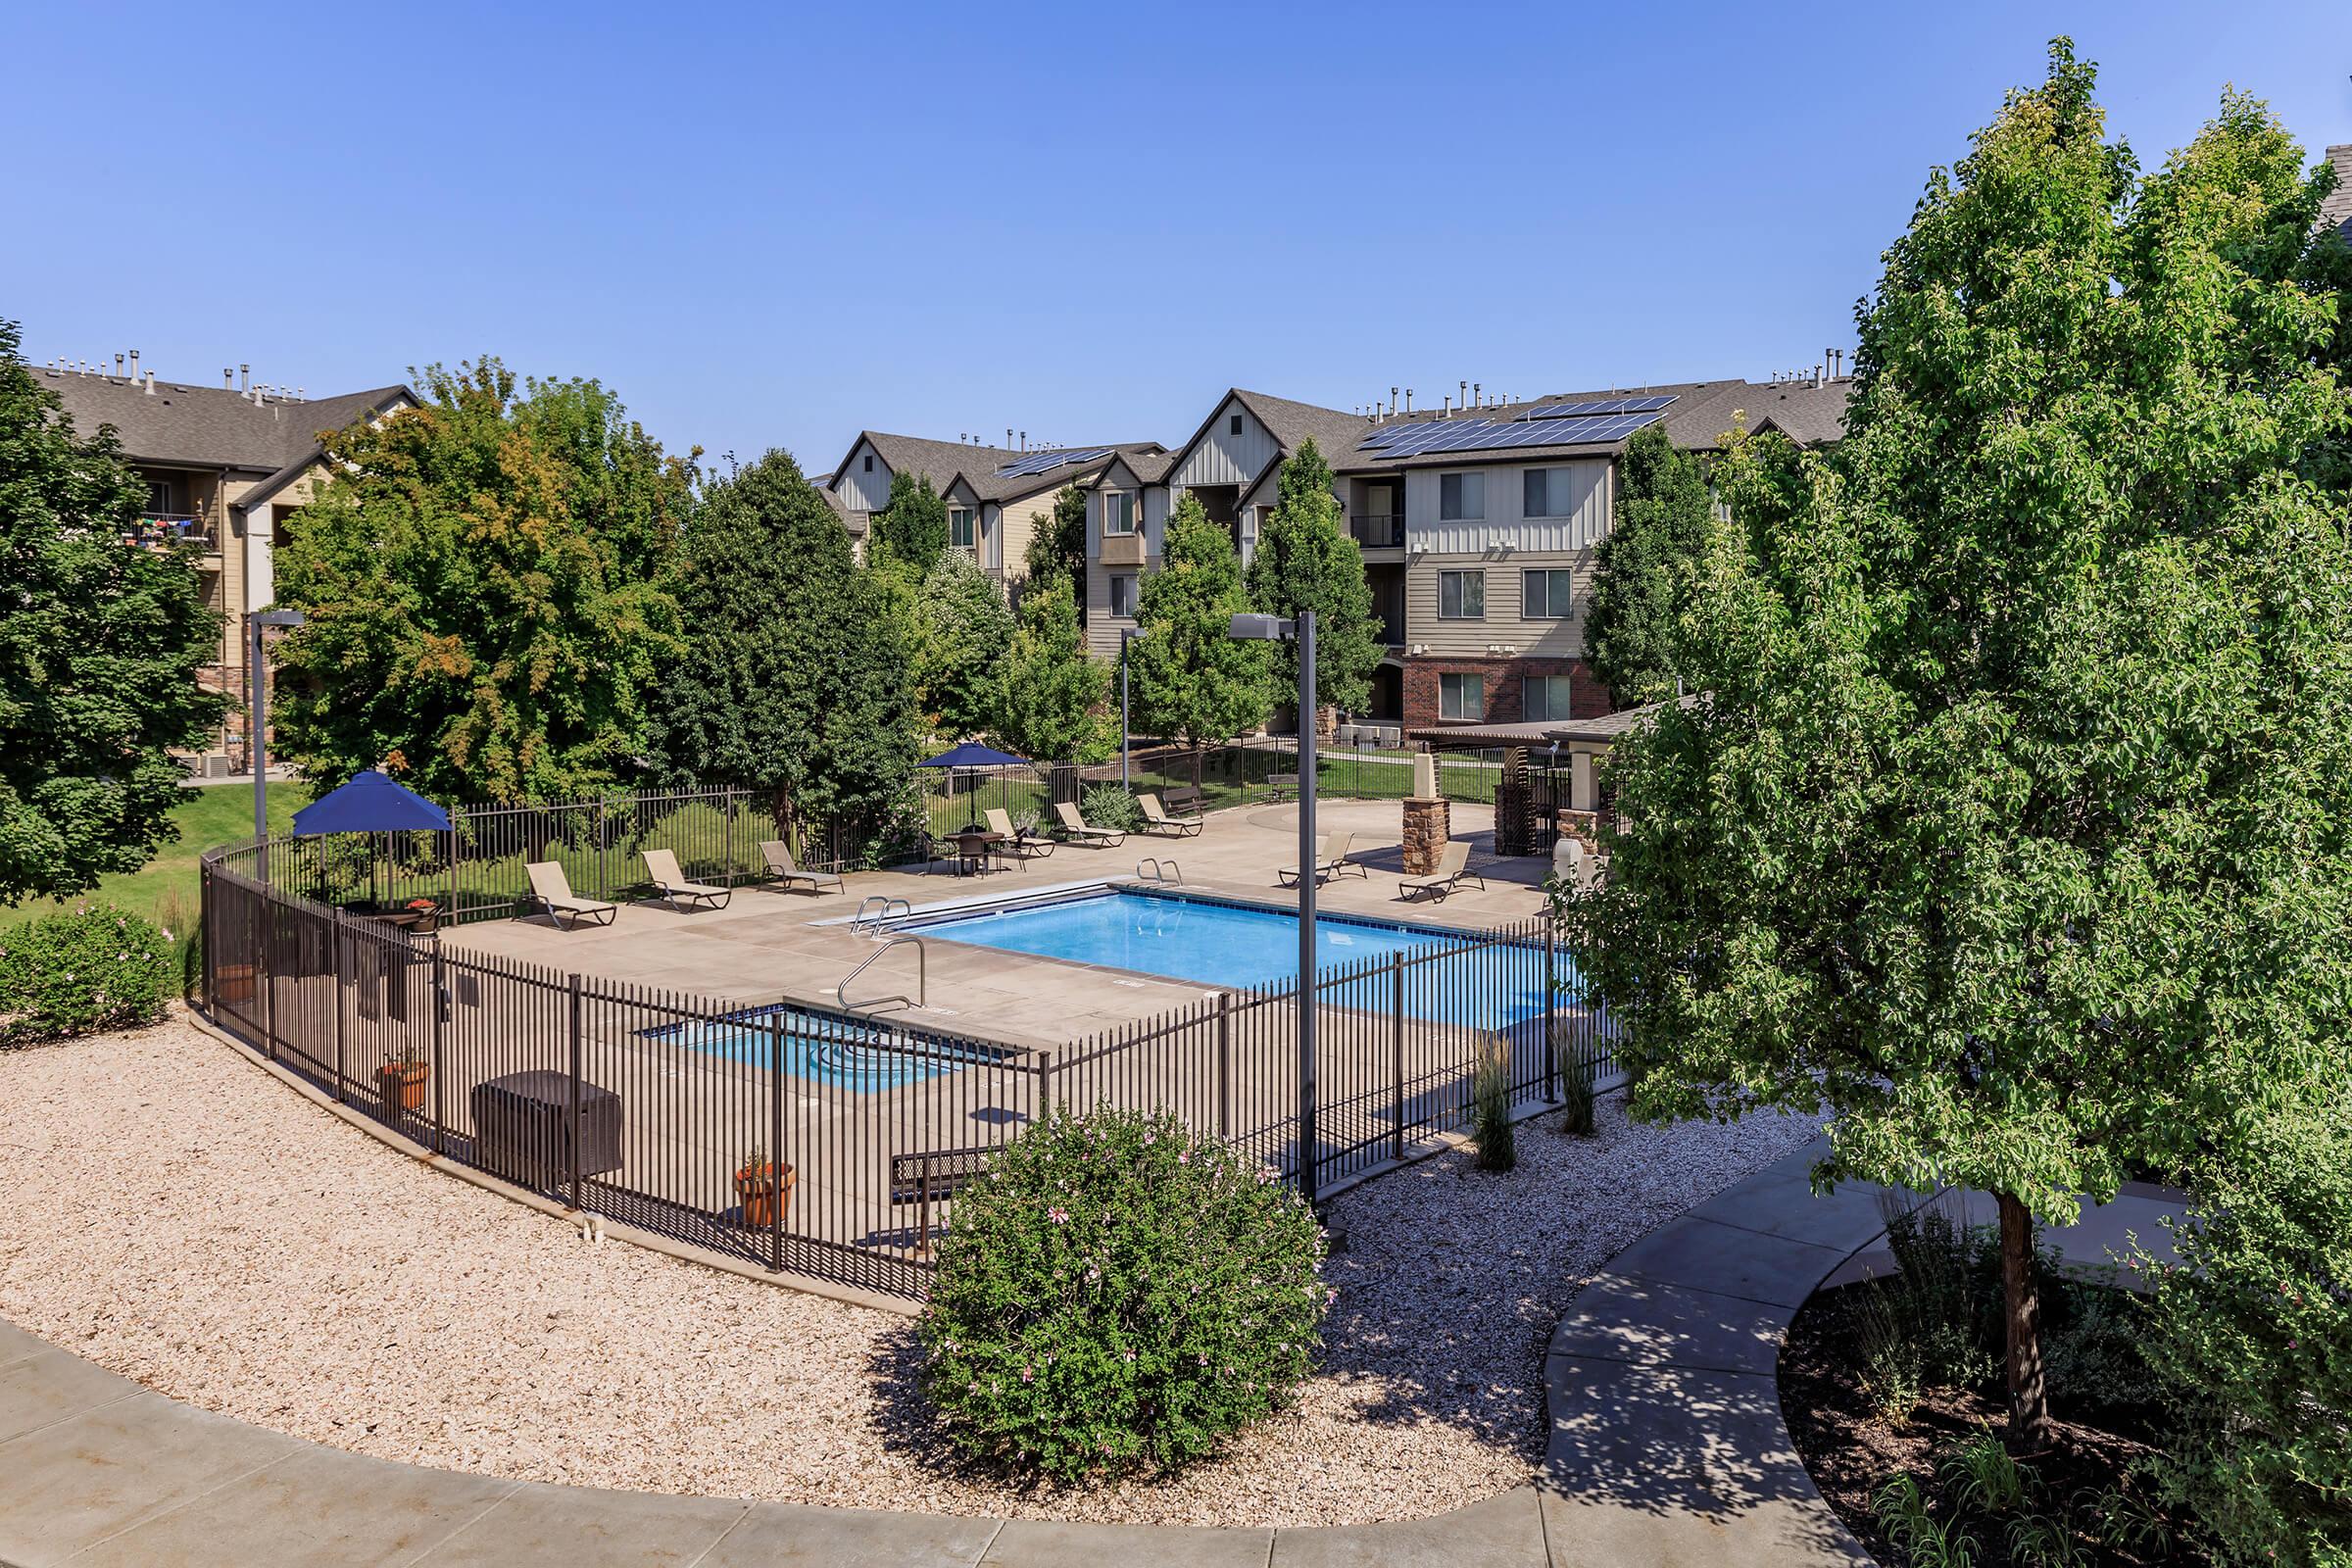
[2021,1314]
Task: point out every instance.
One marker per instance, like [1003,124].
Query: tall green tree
[1057,548]
[910,530]
[1644,568]
[488,581]
[965,628]
[1186,675]
[101,640]
[2015,820]
[1050,695]
[789,679]
[1307,560]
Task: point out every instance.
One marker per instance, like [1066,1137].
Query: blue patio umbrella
[371,804]
[971,754]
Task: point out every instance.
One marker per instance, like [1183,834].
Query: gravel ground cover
[179,1217]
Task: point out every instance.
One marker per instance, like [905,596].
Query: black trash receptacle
[522,1128]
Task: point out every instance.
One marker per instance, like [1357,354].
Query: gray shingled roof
[208,427]
[2336,211]
[942,460]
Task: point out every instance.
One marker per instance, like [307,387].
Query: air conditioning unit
[1419,649]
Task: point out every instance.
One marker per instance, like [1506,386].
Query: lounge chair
[781,868]
[1329,860]
[1157,820]
[1454,864]
[551,889]
[662,866]
[1075,829]
[1020,846]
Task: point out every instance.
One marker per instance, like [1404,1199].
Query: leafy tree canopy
[965,628]
[1643,568]
[789,679]
[1058,549]
[101,640]
[1050,695]
[1186,675]
[910,530]
[488,586]
[1306,560]
[2016,819]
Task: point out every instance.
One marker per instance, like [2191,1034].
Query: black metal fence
[812,1139]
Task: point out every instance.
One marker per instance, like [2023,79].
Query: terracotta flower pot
[764,1202]
[403,1084]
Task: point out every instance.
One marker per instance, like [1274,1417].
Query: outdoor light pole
[1127,634]
[257,740]
[1258,627]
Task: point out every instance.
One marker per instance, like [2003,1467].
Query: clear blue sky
[773,227]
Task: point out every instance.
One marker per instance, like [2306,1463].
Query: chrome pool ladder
[922,973]
[883,906]
[1161,870]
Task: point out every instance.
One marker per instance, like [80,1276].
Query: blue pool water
[1233,945]
[858,1057]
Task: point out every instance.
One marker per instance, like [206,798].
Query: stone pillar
[1428,825]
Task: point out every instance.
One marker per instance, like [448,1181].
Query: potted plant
[402,1078]
[765,1194]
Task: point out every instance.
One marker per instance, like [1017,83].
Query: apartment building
[996,495]
[227,468]
[1478,525]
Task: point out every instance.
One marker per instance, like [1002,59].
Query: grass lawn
[207,819]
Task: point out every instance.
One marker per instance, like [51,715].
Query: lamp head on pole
[280,617]
[1252,627]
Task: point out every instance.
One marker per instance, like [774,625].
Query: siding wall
[1585,525]
[1543,637]
[1223,458]
[861,491]
[1101,629]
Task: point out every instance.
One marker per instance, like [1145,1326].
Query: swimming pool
[1234,945]
[865,1058]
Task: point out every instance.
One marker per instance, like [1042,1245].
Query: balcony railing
[1378,530]
[156,529]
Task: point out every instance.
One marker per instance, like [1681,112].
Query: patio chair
[1157,821]
[551,889]
[1329,860]
[1075,829]
[1021,845]
[1454,864]
[662,865]
[781,868]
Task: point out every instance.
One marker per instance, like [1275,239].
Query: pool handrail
[922,975]
[1161,870]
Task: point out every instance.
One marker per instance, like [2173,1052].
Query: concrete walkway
[1667,1447]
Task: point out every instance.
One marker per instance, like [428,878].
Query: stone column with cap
[1428,819]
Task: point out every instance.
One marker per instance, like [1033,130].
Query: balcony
[1378,530]
[158,529]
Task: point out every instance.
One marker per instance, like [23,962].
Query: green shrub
[1111,805]
[1576,1089]
[76,972]
[2252,1336]
[1491,1108]
[1115,1295]
[1889,1364]
[1948,1291]
[181,924]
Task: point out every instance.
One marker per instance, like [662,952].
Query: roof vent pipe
[1479,391]
[151,384]
[134,365]
[243,370]
[118,368]
[1408,400]
[229,379]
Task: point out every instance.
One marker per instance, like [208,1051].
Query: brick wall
[1504,706]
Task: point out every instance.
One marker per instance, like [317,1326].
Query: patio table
[973,846]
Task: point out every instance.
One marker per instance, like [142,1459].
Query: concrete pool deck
[768,944]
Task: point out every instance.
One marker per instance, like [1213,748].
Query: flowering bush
[1111,805]
[1115,1293]
[81,971]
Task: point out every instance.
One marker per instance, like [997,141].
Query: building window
[1233,427]
[869,463]
[1548,593]
[960,533]
[1461,696]
[159,497]
[1548,493]
[1461,497]
[1118,512]
[1462,595]
[1122,595]
[1547,697]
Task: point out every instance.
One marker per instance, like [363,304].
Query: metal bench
[1182,800]
[1282,784]
[935,1175]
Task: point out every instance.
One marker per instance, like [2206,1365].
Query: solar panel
[1425,437]
[1036,463]
[1592,405]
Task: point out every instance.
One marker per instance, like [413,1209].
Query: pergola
[1528,808]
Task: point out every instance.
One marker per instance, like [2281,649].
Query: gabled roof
[943,461]
[2336,211]
[212,427]
[1134,467]
[989,485]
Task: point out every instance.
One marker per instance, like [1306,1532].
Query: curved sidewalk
[1667,1447]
